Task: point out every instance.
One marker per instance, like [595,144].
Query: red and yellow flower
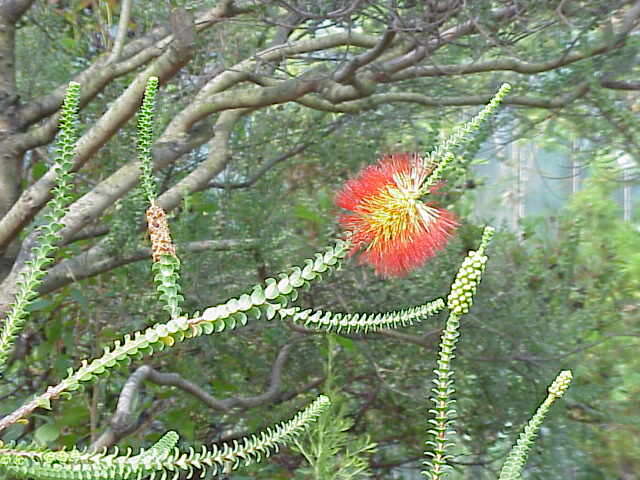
[391,225]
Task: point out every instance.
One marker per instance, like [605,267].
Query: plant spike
[163,459]
[411,175]
[513,465]
[388,220]
[459,302]
[235,312]
[362,323]
[145,139]
[443,155]
[166,264]
[48,235]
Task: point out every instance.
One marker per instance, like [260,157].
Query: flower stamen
[393,227]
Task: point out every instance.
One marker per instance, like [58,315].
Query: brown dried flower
[159,233]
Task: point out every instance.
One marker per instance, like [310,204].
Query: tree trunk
[10,159]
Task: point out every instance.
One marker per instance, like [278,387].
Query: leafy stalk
[235,312]
[362,322]
[166,264]
[48,234]
[517,457]
[162,460]
[444,155]
[145,139]
[443,411]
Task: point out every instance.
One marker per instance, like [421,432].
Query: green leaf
[38,170]
[345,343]
[46,433]
[244,302]
[257,296]
[79,297]
[271,291]
[241,318]
[44,402]
[39,304]
[230,322]
[270,312]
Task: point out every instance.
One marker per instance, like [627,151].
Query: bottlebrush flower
[395,230]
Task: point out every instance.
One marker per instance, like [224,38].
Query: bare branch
[621,84]
[421,50]
[99,259]
[629,22]
[264,168]
[101,73]
[123,27]
[123,423]
[208,100]
[347,71]
[111,121]
[269,164]
[374,101]
[217,159]
[326,16]
[512,64]
[12,10]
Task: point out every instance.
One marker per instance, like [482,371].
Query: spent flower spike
[389,221]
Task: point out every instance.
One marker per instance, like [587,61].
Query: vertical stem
[443,410]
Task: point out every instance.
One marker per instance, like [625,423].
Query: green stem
[443,411]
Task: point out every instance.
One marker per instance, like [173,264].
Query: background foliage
[253,173]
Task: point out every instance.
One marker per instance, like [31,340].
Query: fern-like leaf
[362,322]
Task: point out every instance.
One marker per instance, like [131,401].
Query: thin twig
[123,27]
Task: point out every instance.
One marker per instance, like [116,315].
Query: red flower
[396,230]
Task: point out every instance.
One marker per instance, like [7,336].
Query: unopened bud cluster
[560,384]
[464,286]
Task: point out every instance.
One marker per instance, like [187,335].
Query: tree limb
[12,10]
[32,200]
[123,27]
[99,259]
[122,422]
[325,16]
[356,106]
[269,164]
[346,73]
[621,84]
[135,54]
[518,66]
[217,159]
